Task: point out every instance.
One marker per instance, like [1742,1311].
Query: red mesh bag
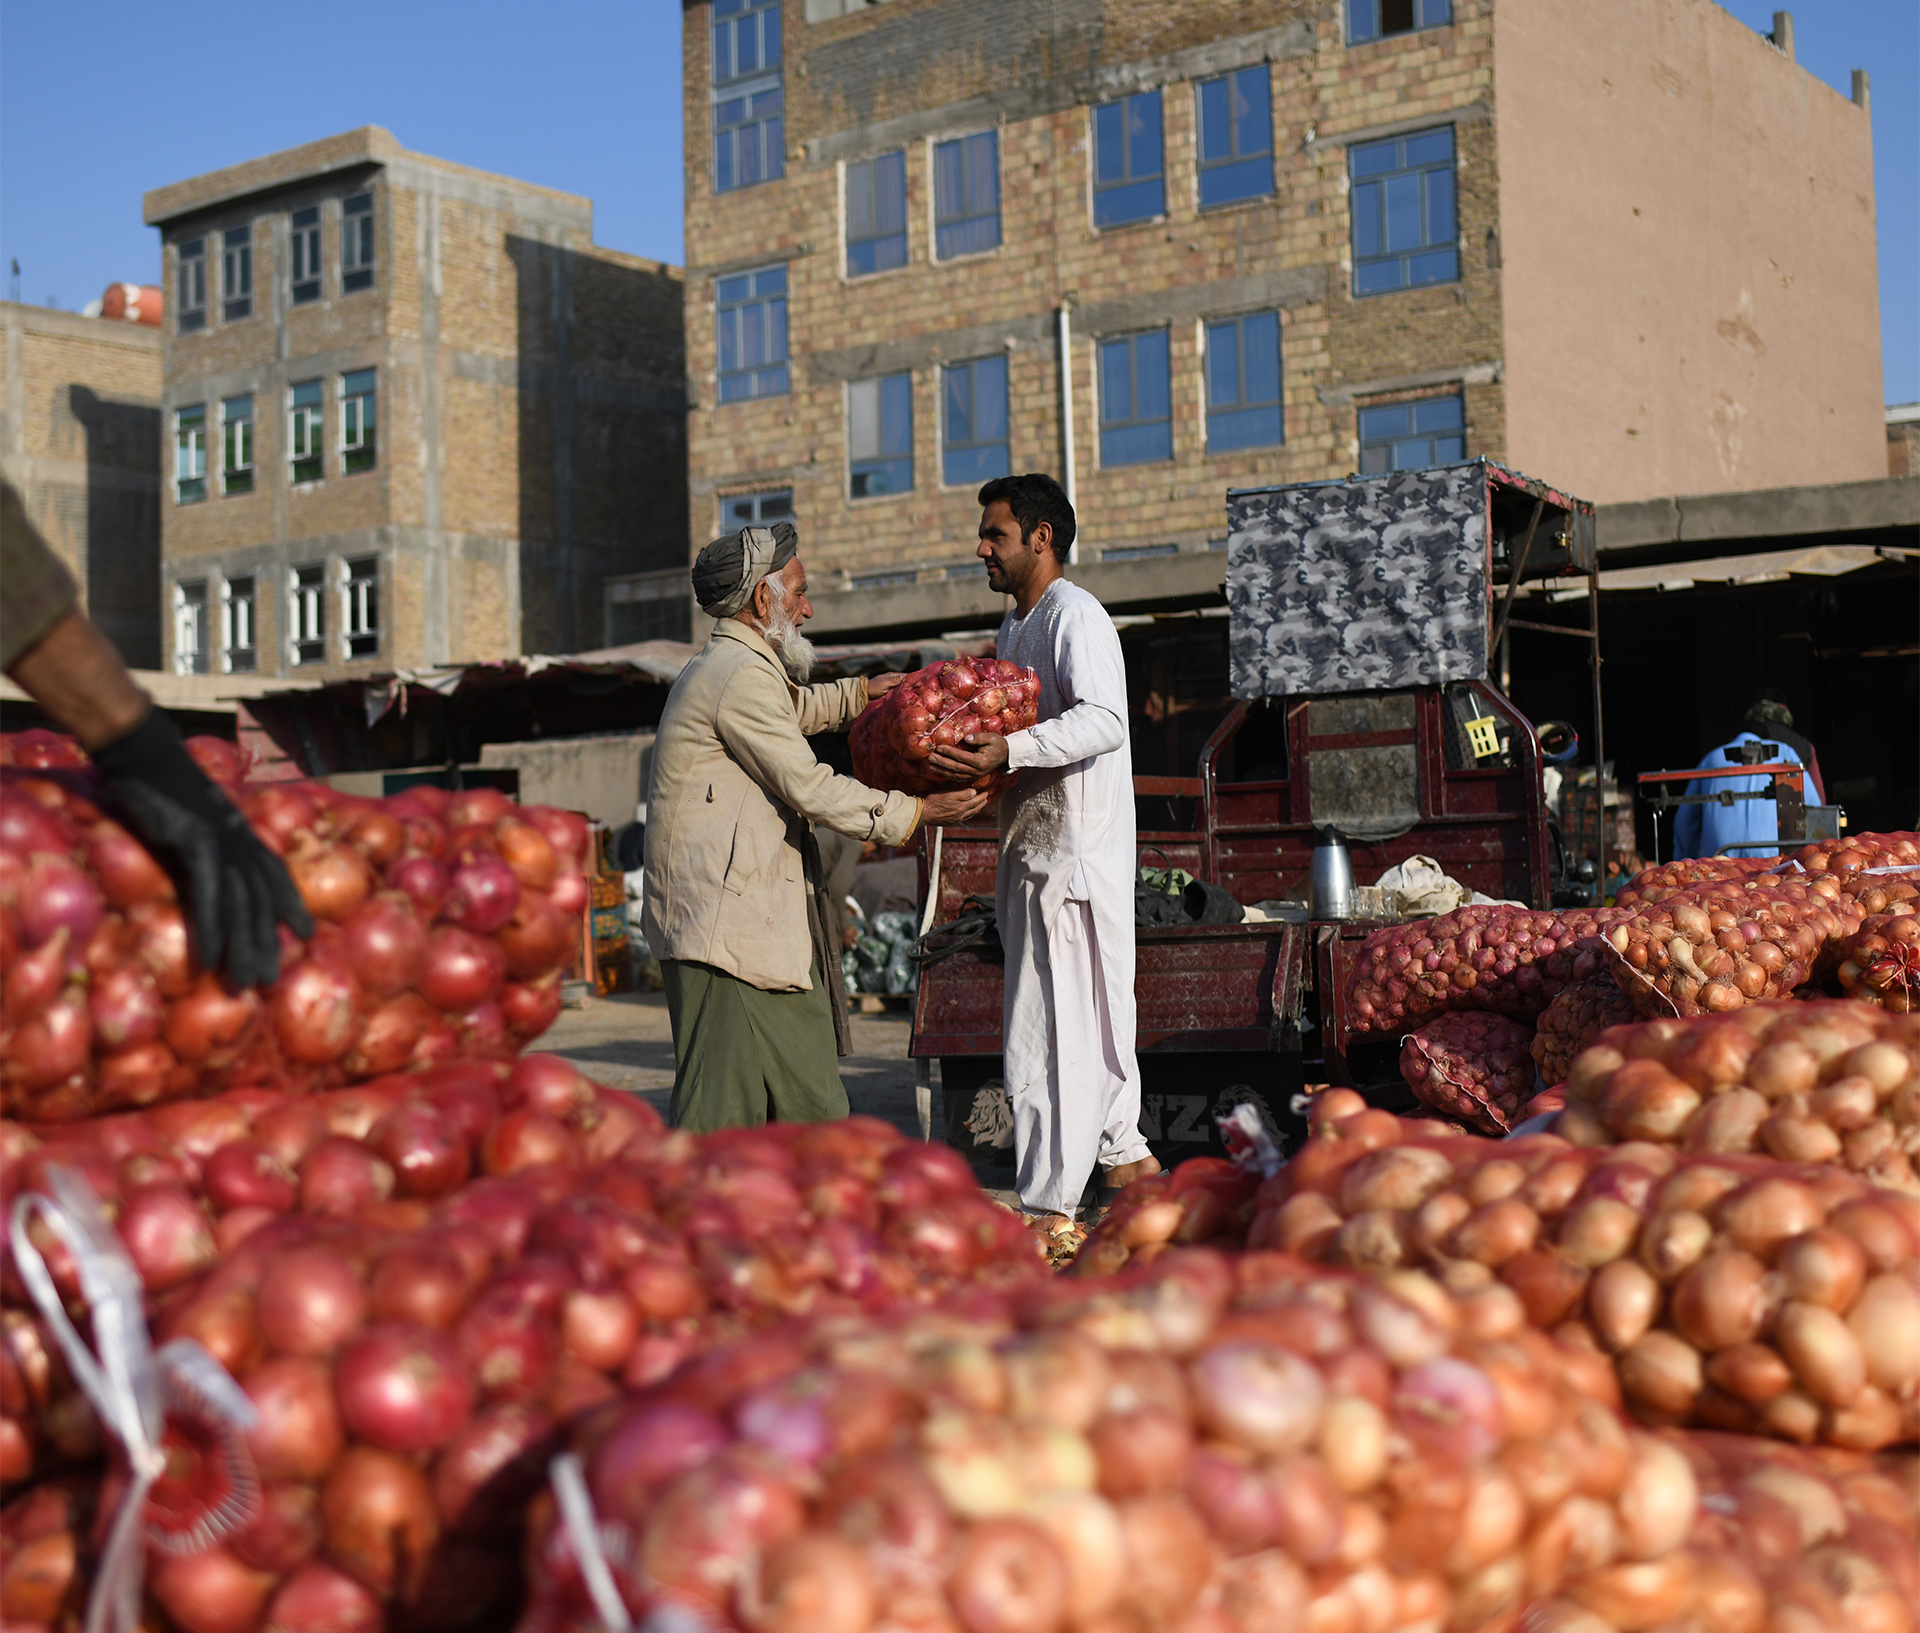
[1656,884]
[937,707]
[1881,965]
[1472,1066]
[1574,1019]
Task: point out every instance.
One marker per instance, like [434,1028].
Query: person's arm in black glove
[235,889]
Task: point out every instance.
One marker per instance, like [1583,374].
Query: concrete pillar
[1861,97]
[1782,35]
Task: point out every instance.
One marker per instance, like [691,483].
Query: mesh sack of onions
[1860,851]
[1477,1068]
[1880,963]
[937,707]
[1209,1443]
[1732,1292]
[1575,1018]
[1511,960]
[1784,1540]
[442,926]
[1204,1200]
[1716,947]
[1657,883]
[1821,1081]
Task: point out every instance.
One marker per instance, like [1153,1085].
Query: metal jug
[1330,877]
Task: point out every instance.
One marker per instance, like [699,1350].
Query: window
[303,255]
[356,243]
[966,195]
[308,622]
[236,445]
[356,421]
[740,510]
[190,628]
[190,454]
[1243,383]
[648,607]
[236,274]
[1128,179]
[363,607]
[880,436]
[751,310]
[1136,399]
[975,433]
[1409,436]
[192,278]
[1236,136]
[747,97]
[1376,19]
[876,214]
[303,432]
[236,626]
[1403,218]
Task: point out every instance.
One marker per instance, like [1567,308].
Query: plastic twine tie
[569,1483]
[128,1383]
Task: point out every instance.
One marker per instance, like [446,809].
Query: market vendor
[1746,827]
[735,907]
[236,891]
[1063,890]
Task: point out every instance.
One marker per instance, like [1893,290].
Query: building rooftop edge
[369,144]
[52,320]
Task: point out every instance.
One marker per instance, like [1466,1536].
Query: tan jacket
[729,793]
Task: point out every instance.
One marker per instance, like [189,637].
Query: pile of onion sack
[1212,1443]
[413,1334]
[937,707]
[443,923]
[1575,1019]
[1826,1081]
[1734,1292]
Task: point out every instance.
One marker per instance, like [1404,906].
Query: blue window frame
[974,428]
[1379,19]
[740,510]
[747,95]
[750,310]
[1235,116]
[876,214]
[1243,383]
[966,195]
[1129,166]
[1136,399]
[880,436]
[1411,436]
[1404,222]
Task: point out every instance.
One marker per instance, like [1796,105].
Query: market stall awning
[1767,566]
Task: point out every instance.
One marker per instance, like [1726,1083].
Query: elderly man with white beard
[735,909]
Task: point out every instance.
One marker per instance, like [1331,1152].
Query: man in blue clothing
[1752,825]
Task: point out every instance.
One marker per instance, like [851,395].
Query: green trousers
[743,1056]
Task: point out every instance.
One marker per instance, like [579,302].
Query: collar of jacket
[754,641]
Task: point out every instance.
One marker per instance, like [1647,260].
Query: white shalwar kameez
[1064,896]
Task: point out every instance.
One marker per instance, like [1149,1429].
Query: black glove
[234,888]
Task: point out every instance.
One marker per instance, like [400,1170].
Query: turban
[726,572]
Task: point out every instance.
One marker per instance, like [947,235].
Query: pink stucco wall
[1687,240]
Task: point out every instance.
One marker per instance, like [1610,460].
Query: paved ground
[625,1041]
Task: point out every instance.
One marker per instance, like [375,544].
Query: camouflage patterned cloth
[1359,586]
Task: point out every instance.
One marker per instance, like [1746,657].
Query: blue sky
[101,101]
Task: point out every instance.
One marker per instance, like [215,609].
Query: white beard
[794,650]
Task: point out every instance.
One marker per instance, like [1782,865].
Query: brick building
[414,415]
[80,439]
[1627,248]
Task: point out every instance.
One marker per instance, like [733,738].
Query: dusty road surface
[624,1041]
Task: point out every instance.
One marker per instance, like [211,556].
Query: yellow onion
[1662,1372]
[1598,1231]
[1722,1300]
[1640,1595]
[1353,1442]
[1622,1301]
[1885,1321]
[1749,1372]
[1728,1122]
[1673,1243]
[1658,1502]
[1760,1216]
[1823,1266]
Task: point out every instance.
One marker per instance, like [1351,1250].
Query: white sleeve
[1092,676]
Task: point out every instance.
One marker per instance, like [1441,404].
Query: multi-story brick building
[80,439]
[414,415]
[1165,250]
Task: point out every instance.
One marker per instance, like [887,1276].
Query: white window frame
[187,634]
[353,416]
[233,611]
[190,284]
[306,428]
[353,606]
[352,235]
[247,438]
[303,599]
[189,449]
[305,263]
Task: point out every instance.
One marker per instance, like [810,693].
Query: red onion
[126,872]
[478,807]
[380,1520]
[209,1592]
[279,812]
[462,970]
[569,895]
[485,1475]
[299,1433]
[316,1011]
[167,1235]
[530,1008]
[566,831]
[340,1176]
[56,894]
[538,938]
[286,1531]
[242,1174]
[422,1282]
[403,1388]
[127,1008]
[386,944]
[428,1155]
[528,852]
[320,1599]
[422,880]
[33,979]
[482,895]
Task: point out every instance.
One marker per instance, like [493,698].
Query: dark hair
[1034,497]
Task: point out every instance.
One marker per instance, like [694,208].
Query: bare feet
[1123,1174]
